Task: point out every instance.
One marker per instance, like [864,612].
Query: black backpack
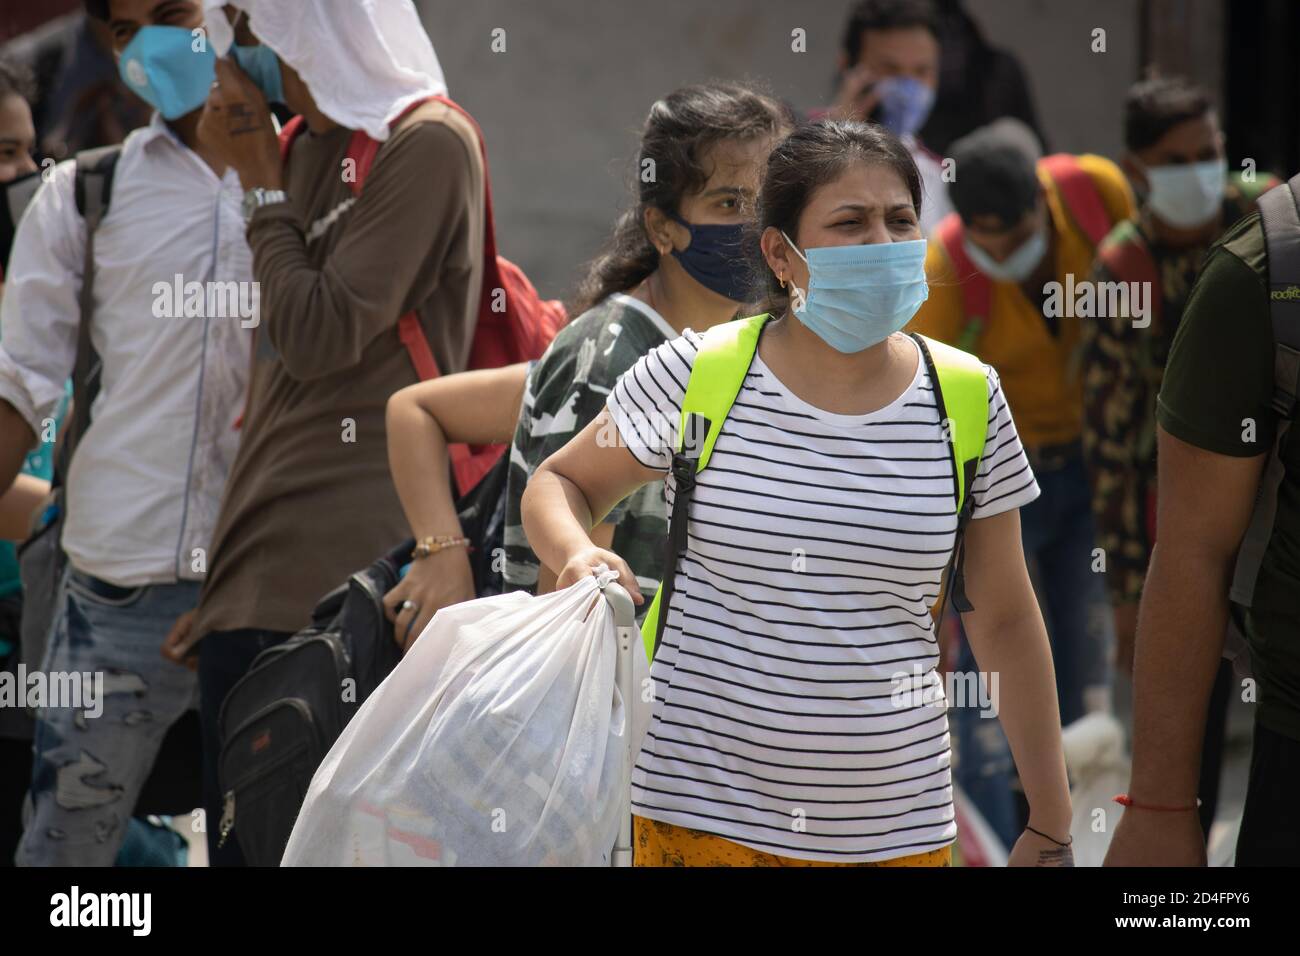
[1279,210]
[280,720]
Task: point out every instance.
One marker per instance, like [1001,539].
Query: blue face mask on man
[162,66]
[905,104]
[858,296]
[263,68]
[715,258]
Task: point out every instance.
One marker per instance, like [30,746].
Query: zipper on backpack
[227,818]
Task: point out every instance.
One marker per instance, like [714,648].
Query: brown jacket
[309,499]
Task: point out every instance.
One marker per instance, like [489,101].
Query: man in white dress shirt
[889,74]
[145,482]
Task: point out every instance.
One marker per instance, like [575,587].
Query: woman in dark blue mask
[674,261]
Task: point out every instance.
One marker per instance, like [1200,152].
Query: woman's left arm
[1007,634]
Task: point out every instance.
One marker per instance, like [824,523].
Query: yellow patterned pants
[663,844]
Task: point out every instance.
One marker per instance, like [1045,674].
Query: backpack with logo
[514,325]
[1083,204]
[41,560]
[1281,222]
[717,374]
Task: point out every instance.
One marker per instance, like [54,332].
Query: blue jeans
[1056,533]
[88,770]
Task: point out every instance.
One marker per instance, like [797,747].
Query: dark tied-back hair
[677,134]
[97,8]
[812,156]
[1156,105]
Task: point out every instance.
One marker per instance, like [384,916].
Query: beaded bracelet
[433,544]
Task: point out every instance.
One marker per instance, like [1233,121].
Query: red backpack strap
[976,289]
[288,133]
[1079,194]
[1127,258]
[468,464]
[491,276]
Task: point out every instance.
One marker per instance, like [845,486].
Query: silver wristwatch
[256,198]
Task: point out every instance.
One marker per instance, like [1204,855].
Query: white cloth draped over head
[364,61]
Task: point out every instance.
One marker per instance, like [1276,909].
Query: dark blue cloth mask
[716,258]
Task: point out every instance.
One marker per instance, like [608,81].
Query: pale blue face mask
[858,296]
[163,68]
[1018,266]
[262,67]
[905,104]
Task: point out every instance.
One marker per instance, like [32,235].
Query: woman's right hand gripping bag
[498,741]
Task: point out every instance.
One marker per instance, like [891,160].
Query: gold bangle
[432,544]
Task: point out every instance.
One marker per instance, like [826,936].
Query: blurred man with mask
[889,71]
[311,498]
[145,481]
[1176,162]
[1023,235]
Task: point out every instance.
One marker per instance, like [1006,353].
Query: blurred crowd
[265,335]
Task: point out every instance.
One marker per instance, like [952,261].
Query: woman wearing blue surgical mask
[675,259]
[795,718]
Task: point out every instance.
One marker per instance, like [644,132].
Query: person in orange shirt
[1006,273]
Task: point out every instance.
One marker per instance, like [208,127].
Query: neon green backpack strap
[961,393]
[717,375]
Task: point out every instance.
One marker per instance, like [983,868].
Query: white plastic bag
[498,741]
[1098,764]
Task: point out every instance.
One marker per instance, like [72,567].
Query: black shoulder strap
[92,190]
[685,466]
[1281,220]
[93,183]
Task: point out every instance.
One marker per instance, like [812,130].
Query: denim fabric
[88,770]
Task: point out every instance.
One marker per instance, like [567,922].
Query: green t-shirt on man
[1217,395]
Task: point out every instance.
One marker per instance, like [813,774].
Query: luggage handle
[628,637]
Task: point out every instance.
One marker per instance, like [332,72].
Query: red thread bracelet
[1124,800]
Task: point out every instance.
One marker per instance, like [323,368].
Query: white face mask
[1188,194]
[1018,266]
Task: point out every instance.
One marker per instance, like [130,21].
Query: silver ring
[409,606]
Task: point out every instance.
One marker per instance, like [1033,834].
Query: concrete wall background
[561,107]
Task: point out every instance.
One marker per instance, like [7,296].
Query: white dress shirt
[146,481]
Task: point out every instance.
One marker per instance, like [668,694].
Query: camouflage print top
[566,389]
[1123,365]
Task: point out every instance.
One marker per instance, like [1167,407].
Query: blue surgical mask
[1187,195]
[859,296]
[715,258]
[161,66]
[1017,267]
[905,104]
[262,67]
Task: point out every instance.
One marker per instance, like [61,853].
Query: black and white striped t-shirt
[816,547]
